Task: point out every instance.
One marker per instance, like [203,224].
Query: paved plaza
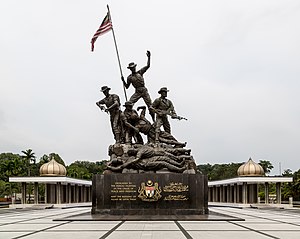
[258,223]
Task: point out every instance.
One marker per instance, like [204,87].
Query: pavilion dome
[53,168]
[250,168]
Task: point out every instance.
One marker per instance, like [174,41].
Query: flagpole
[112,28]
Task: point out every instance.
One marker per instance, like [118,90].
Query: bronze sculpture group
[130,154]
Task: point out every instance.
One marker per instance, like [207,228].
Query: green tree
[75,171]
[46,158]
[219,171]
[266,165]
[85,169]
[4,188]
[12,165]
[287,173]
[57,158]
[29,157]
[295,186]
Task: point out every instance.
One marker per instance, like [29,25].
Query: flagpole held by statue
[106,26]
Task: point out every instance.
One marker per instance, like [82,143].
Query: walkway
[259,223]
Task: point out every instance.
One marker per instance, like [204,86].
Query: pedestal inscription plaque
[150,194]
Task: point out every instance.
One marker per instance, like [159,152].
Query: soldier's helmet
[163,89]
[104,88]
[128,103]
[131,65]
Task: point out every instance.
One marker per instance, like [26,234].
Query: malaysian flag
[105,26]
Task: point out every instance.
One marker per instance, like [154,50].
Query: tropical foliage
[25,164]
[266,165]
[85,169]
[219,171]
[292,189]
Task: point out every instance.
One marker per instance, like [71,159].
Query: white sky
[232,68]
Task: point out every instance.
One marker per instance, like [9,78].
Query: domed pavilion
[53,168]
[60,190]
[250,168]
[244,188]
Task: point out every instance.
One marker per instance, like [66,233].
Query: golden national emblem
[149,192]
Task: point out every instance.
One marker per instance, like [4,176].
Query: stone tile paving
[39,224]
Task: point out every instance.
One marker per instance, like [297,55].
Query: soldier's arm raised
[145,68]
[148,56]
[143,113]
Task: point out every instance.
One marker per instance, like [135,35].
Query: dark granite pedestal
[150,194]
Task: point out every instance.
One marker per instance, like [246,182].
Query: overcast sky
[232,68]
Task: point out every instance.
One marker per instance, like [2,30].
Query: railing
[295,203]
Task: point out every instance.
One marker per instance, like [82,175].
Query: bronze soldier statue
[163,107]
[137,80]
[112,103]
[144,126]
[129,118]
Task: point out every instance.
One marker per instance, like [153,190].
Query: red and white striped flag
[105,26]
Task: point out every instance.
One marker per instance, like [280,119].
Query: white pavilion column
[76,193]
[235,193]
[256,192]
[70,193]
[213,194]
[228,193]
[252,193]
[23,190]
[58,193]
[266,193]
[66,193]
[89,193]
[51,192]
[221,193]
[224,193]
[46,194]
[245,193]
[238,191]
[36,193]
[84,194]
[278,193]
